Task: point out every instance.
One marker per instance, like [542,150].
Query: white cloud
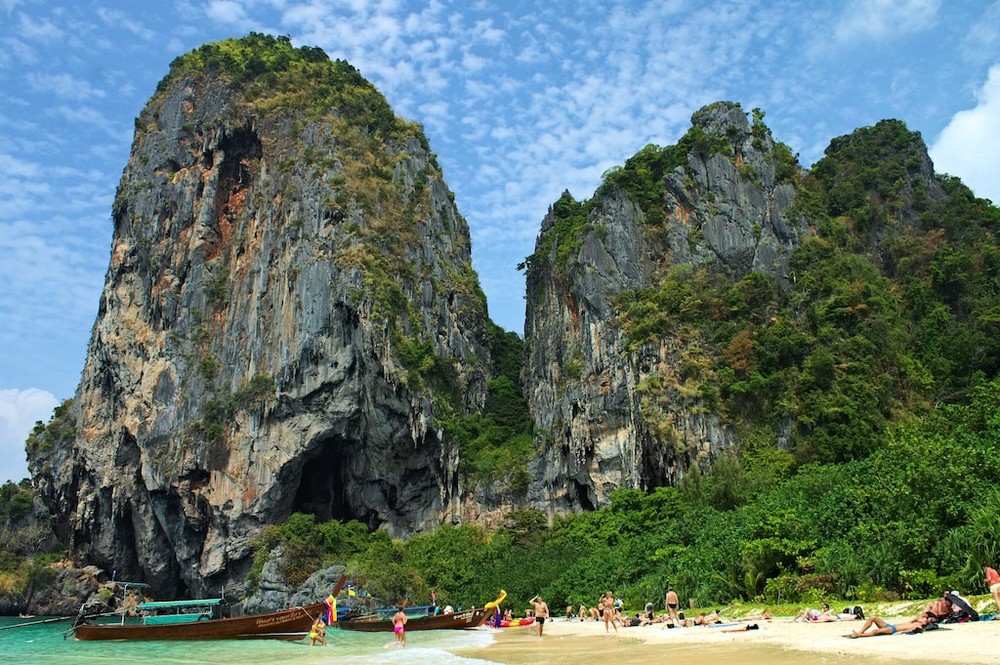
[15,51]
[878,19]
[19,410]
[88,115]
[117,19]
[63,85]
[969,147]
[41,30]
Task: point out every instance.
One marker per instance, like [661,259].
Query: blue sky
[520,100]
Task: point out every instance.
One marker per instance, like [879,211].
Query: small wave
[431,647]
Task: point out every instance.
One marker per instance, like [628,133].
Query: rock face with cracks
[289,301]
[723,208]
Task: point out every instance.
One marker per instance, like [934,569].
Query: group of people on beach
[609,610]
[951,607]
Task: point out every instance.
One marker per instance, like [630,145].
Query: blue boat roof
[170,604]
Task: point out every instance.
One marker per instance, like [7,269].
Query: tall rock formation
[609,415]
[289,305]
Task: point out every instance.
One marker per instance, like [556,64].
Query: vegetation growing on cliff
[891,307]
[495,444]
[274,75]
[27,544]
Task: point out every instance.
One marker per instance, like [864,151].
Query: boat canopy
[179,604]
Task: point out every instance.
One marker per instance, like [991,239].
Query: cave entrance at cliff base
[321,485]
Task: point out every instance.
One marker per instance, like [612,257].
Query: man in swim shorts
[882,627]
[541,612]
[672,603]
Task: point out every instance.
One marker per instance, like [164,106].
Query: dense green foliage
[275,75]
[892,307]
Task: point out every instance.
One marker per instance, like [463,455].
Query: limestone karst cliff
[713,296]
[289,304]
[725,208]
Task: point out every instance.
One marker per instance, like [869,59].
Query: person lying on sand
[883,627]
[816,616]
[707,620]
[756,617]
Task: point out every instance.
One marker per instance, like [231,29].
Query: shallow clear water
[44,644]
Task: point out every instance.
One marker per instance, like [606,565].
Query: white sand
[776,640]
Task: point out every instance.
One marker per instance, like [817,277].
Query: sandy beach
[775,642]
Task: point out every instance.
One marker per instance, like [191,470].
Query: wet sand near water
[776,642]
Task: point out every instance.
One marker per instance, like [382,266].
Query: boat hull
[290,624]
[457,621]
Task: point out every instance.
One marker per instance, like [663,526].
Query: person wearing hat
[541,612]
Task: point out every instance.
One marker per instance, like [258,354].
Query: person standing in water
[399,626]
[317,633]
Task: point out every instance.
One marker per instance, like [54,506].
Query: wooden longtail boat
[289,624]
[382,621]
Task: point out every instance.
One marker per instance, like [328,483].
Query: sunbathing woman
[885,628]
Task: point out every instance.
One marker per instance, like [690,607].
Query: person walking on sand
[541,613]
[672,603]
[399,626]
[882,627]
[993,582]
[608,613]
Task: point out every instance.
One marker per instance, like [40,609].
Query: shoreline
[776,642]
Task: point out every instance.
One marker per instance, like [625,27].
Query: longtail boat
[378,622]
[189,620]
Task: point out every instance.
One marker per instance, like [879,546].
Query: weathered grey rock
[273,594]
[245,362]
[601,426]
[70,590]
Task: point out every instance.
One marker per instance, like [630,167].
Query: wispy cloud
[14,51]
[63,85]
[878,19]
[38,29]
[119,19]
[969,146]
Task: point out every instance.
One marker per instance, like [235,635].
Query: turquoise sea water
[44,644]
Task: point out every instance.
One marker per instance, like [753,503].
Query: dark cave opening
[583,496]
[321,491]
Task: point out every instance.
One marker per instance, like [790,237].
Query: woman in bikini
[399,627]
[885,628]
[608,612]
